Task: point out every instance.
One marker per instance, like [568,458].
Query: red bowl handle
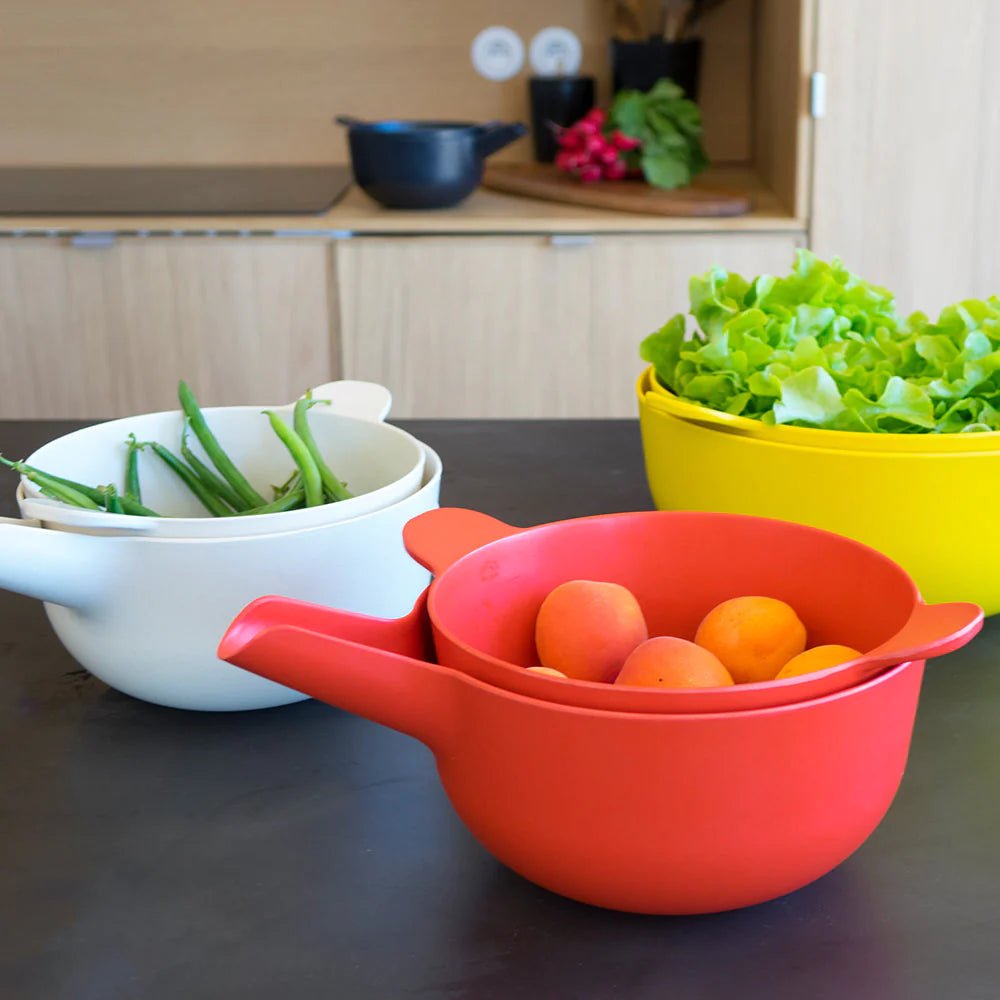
[441,537]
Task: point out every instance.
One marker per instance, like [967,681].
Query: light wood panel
[108,332]
[484,212]
[257,81]
[518,327]
[908,155]
[781,122]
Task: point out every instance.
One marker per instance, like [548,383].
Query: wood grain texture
[507,326]
[108,332]
[541,180]
[782,126]
[908,155]
[484,212]
[254,81]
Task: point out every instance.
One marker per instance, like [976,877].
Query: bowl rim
[432,475]
[103,520]
[629,693]
[649,385]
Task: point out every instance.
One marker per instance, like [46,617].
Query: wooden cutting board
[542,180]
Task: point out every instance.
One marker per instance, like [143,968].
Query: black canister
[556,101]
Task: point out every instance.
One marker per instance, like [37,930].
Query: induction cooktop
[197,190]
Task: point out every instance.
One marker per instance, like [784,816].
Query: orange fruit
[754,637]
[585,629]
[548,671]
[673,663]
[817,658]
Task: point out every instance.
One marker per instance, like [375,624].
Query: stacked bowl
[646,800]
[141,601]
[923,499]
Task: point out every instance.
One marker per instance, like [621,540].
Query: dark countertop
[301,852]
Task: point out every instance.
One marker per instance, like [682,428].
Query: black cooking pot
[423,164]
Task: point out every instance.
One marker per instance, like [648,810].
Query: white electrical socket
[497,53]
[555,52]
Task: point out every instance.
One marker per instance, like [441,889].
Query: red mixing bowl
[652,812]
[666,814]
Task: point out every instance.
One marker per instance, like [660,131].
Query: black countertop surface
[300,852]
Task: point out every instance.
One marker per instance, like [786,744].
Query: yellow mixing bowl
[934,513]
[812,437]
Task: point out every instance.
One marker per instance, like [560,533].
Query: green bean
[214,450]
[137,509]
[312,483]
[291,500]
[209,479]
[132,487]
[56,490]
[131,506]
[208,500]
[112,502]
[333,486]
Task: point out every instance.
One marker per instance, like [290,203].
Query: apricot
[673,663]
[817,658]
[547,671]
[585,629]
[754,637]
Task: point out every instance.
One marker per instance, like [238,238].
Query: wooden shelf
[484,212]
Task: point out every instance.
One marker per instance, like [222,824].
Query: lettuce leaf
[821,347]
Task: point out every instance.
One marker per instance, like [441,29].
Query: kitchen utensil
[812,437]
[423,164]
[638,65]
[666,814]
[145,614]
[382,464]
[542,180]
[491,580]
[917,507]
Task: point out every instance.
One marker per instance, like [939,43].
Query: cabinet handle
[93,241]
[571,240]
[817,95]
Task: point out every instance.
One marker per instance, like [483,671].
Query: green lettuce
[821,347]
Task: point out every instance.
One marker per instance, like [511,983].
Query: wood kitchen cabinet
[907,153]
[522,326]
[104,331]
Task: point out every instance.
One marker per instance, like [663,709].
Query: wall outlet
[555,52]
[497,53]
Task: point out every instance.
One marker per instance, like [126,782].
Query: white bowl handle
[59,567]
[364,400]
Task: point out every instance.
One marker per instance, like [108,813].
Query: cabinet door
[104,332]
[522,326]
[907,158]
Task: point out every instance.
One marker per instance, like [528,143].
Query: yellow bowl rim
[812,437]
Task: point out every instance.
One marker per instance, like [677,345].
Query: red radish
[623,141]
[564,160]
[615,171]
[609,155]
[586,127]
[590,173]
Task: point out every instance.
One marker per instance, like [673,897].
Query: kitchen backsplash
[228,81]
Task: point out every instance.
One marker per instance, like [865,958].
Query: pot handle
[351,398]
[493,136]
[442,536]
[402,692]
[58,567]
